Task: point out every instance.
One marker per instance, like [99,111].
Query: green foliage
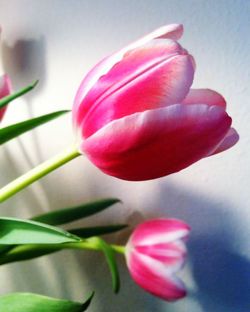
[10,132]
[10,253]
[111,261]
[28,302]
[97,230]
[67,215]
[9,98]
[17,231]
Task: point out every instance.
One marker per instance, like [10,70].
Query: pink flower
[5,88]
[154,253]
[136,116]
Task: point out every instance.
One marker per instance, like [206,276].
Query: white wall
[57,42]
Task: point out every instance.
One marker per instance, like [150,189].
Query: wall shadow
[25,62]
[221,275]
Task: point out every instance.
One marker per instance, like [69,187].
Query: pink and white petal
[171,254]
[173,31]
[231,138]
[87,83]
[155,277]
[157,231]
[5,89]
[205,96]
[164,80]
[132,64]
[157,142]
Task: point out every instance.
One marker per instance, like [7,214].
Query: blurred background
[57,42]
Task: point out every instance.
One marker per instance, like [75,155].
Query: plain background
[58,41]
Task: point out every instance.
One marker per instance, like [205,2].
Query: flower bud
[155,252]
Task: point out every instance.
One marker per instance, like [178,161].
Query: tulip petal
[155,277]
[5,88]
[171,254]
[230,140]
[132,63]
[173,31]
[157,142]
[159,231]
[161,239]
[164,80]
[204,96]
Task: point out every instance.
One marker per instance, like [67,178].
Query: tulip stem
[119,249]
[31,251]
[38,172]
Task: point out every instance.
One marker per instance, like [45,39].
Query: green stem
[93,243]
[38,172]
[30,251]
[118,248]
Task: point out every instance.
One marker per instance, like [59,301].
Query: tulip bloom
[5,88]
[136,116]
[154,253]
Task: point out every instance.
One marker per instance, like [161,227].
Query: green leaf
[28,302]
[67,215]
[17,231]
[97,230]
[111,261]
[5,248]
[10,254]
[10,132]
[80,232]
[9,98]
[28,252]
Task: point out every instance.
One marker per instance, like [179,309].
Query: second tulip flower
[5,87]
[155,252]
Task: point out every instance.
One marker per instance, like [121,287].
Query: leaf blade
[15,231]
[10,132]
[28,252]
[97,230]
[32,251]
[29,302]
[9,98]
[111,261]
[71,214]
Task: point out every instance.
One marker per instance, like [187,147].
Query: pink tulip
[136,116]
[5,88]
[154,253]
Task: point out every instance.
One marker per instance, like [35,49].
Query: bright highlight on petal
[164,83]
[172,31]
[157,142]
[153,265]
